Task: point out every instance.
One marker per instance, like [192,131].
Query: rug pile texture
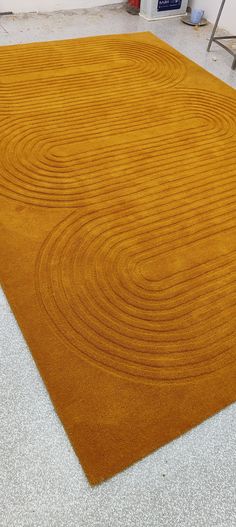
[118,237]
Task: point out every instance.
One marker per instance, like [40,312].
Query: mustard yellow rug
[118,237]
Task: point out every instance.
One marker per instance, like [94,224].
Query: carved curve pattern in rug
[118,233]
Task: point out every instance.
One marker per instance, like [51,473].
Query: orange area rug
[118,237]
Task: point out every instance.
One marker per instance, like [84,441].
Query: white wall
[211,7]
[19,6]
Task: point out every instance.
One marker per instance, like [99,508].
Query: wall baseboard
[27,6]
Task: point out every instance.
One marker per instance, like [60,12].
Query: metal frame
[218,40]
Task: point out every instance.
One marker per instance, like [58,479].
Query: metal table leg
[216,25]
[218,40]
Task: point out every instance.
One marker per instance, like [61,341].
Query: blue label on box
[168,5]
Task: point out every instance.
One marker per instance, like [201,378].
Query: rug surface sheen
[118,236]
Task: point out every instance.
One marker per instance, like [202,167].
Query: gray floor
[190,482]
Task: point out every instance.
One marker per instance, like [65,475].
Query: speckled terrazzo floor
[190,482]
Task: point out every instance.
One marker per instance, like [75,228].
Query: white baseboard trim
[28,6]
